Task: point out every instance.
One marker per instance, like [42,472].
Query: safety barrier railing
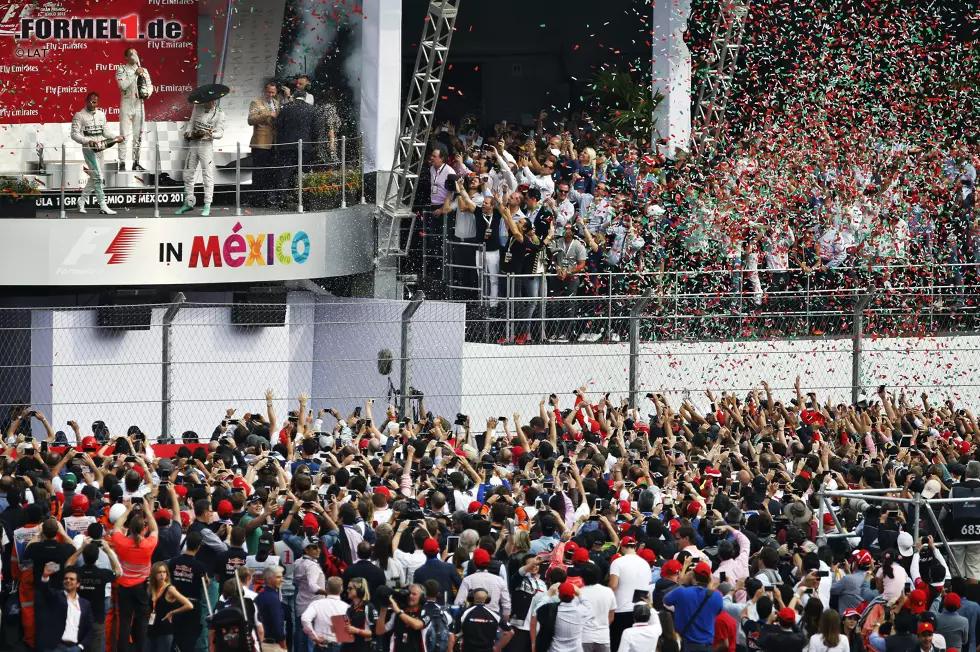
[918,503]
[913,299]
[298,176]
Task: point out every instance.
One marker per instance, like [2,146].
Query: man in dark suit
[295,123]
[69,617]
[365,569]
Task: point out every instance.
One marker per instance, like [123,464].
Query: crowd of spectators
[593,527]
[774,217]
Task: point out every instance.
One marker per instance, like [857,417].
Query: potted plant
[321,190]
[17,197]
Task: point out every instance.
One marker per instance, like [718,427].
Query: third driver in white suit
[206,125]
[135,87]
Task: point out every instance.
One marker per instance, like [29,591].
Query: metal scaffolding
[709,109]
[416,124]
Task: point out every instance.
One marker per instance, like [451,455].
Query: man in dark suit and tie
[295,123]
[68,621]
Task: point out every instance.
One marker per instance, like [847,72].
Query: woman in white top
[828,637]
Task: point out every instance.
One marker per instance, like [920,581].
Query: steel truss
[416,124]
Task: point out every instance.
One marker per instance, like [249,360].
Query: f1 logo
[118,250]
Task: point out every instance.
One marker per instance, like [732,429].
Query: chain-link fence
[170,369]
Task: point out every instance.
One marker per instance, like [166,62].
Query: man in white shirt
[382,513]
[544,182]
[627,574]
[602,602]
[317,619]
[645,632]
[303,84]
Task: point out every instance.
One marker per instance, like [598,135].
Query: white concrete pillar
[672,73]
[381,82]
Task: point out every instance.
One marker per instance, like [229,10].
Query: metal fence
[175,368]
[911,300]
[287,177]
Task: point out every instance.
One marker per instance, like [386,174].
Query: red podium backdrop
[53,53]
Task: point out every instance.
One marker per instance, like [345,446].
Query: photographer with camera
[407,619]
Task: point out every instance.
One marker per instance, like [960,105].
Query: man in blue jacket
[435,569]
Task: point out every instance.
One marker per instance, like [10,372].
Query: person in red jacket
[23,570]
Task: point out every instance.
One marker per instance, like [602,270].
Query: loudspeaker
[385,357]
[127,310]
[260,306]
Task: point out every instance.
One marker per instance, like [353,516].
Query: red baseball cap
[786,615]
[481,557]
[693,509]
[648,556]
[917,601]
[162,515]
[310,521]
[185,519]
[385,491]
[703,569]
[581,556]
[627,541]
[670,567]
[861,557]
[180,490]
[90,443]
[225,508]
[566,591]
[430,545]
[828,519]
[517,451]
[952,601]
[926,627]
[474,507]
[848,613]
[239,483]
[364,443]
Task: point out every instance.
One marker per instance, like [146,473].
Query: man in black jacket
[69,608]
[788,638]
[295,123]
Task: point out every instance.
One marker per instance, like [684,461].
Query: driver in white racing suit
[135,87]
[90,130]
[206,125]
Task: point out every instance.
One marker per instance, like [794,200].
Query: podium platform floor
[165,211]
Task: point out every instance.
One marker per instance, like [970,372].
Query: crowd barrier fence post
[405,373]
[238,178]
[168,320]
[635,314]
[62,213]
[343,171]
[299,174]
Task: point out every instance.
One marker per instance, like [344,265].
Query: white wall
[94,374]
[501,380]
[218,366]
